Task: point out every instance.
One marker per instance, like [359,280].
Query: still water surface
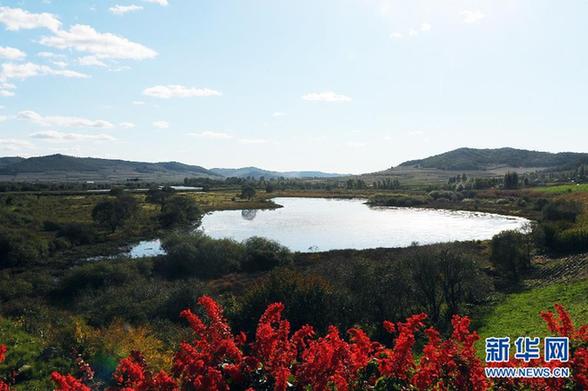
[319,224]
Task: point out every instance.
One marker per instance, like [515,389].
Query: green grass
[561,189]
[518,314]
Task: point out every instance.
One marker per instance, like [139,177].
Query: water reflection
[249,214]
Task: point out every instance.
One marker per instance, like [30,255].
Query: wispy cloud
[54,135]
[11,53]
[15,19]
[62,121]
[212,135]
[178,91]
[161,124]
[160,2]
[84,38]
[127,125]
[24,71]
[124,9]
[278,114]
[11,144]
[326,96]
[472,16]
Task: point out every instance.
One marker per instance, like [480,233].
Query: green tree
[179,210]
[263,254]
[247,191]
[509,253]
[159,196]
[113,213]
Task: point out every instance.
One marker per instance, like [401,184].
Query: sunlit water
[318,224]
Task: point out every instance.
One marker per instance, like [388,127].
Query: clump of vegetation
[113,213]
[262,254]
[562,210]
[510,253]
[401,200]
[178,211]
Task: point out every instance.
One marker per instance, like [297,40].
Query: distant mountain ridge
[255,172]
[63,167]
[486,159]
[60,167]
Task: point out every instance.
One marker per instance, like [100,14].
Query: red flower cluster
[280,360]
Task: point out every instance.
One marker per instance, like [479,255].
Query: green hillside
[484,159]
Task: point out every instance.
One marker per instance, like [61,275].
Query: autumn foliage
[281,359]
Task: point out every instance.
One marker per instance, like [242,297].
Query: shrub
[178,210]
[19,248]
[197,255]
[309,299]
[264,254]
[397,200]
[509,253]
[562,210]
[78,233]
[113,213]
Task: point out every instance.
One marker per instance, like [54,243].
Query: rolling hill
[63,168]
[255,172]
[491,159]
[68,168]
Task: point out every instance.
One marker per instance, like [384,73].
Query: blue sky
[335,85]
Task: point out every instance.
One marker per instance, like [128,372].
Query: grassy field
[518,313]
[561,189]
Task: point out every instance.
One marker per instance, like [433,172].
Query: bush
[178,210]
[197,255]
[397,200]
[113,213]
[510,253]
[78,233]
[264,254]
[96,276]
[562,210]
[308,299]
[18,248]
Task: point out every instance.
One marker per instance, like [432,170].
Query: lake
[320,224]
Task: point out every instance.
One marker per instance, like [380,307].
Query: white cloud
[160,2]
[24,71]
[212,135]
[426,27]
[472,16]
[54,135]
[327,96]
[161,124]
[15,145]
[6,89]
[123,9]
[253,141]
[127,125]
[178,91]
[18,19]
[278,114]
[91,61]
[3,118]
[412,33]
[11,53]
[396,35]
[62,121]
[50,55]
[84,38]
[138,102]
[60,64]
